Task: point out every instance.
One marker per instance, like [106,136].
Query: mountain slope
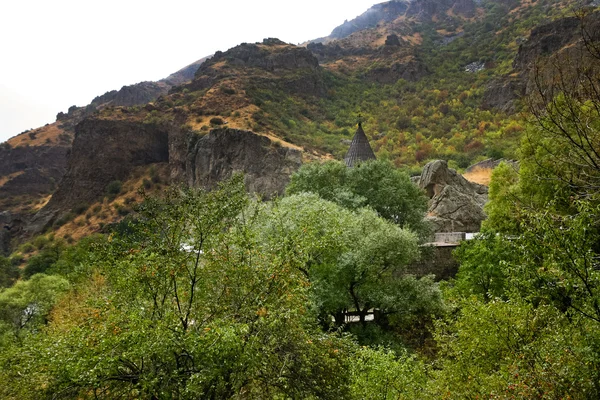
[430,79]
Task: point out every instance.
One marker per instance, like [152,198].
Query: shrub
[41,262]
[114,188]
[227,90]
[40,242]
[216,121]
[27,248]
[9,273]
[80,208]
[64,219]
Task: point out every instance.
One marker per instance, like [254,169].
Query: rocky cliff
[267,165]
[558,40]
[107,150]
[455,205]
[131,95]
[295,68]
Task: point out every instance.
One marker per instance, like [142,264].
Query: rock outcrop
[559,39]
[103,151]
[293,67]
[411,71]
[31,170]
[132,95]
[503,93]
[456,205]
[6,226]
[386,12]
[267,165]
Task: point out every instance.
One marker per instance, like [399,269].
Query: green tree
[9,273]
[41,262]
[353,259]
[376,184]
[483,265]
[25,306]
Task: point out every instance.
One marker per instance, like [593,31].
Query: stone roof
[360,149]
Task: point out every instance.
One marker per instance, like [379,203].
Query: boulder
[456,205]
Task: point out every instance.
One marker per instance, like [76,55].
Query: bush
[40,242]
[9,273]
[26,248]
[227,90]
[216,121]
[114,188]
[68,217]
[80,208]
[41,262]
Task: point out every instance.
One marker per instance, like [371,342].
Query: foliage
[9,272]
[114,188]
[44,260]
[353,260]
[25,306]
[376,184]
[381,374]
[513,349]
[188,304]
[483,265]
[504,200]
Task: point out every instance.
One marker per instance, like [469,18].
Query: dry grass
[46,135]
[6,178]
[106,211]
[483,176]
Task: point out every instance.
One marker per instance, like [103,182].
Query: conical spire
[360,149]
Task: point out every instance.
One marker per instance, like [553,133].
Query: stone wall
[437,259]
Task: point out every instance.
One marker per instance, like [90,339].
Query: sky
[59,53]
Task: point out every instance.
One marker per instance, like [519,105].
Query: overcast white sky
[58,53]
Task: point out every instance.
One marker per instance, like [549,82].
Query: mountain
[32,163]
[430,79]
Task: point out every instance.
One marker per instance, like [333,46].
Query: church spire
[360,149]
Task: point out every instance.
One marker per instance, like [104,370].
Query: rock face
[6,226]
[267,165]
[131,95]
[104,151]
[562,37]
[410,71]
[501,94]
[33,170]
[380,12]
[546,40]
[296,68]
[456,204]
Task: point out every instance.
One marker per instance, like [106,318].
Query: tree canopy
[376,184]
